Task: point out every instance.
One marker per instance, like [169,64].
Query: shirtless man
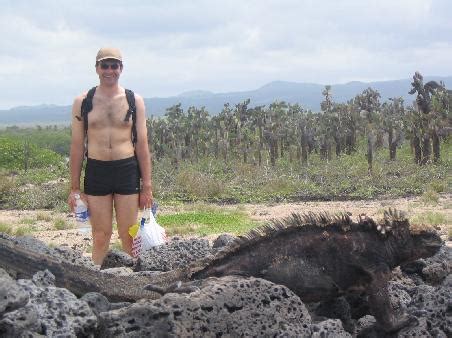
[114,166]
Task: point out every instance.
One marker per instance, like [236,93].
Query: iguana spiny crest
[393,220]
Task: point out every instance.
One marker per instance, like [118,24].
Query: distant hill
[308,95]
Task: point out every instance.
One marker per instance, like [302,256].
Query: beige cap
[108,53]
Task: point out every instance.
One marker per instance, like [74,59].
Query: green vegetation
[209,180]
[430,218]
[204,222]
[56,139]
[6,228]
[115,245]
[29,221]
[362,149]
[43,216]
[61,224]
[23,230]
[20,231]
[430,197]
[343,177]
[22,154]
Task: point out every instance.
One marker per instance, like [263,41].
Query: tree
[442,118]
[326,130]
[257,123]
[392,121]
[176,133]
[427,130]
[368,103]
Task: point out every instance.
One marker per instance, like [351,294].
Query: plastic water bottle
[82,215]
[154,207]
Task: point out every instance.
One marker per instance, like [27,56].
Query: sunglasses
[112,66]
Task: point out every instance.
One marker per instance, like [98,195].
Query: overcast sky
[48,48]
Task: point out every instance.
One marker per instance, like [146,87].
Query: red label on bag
[136,246]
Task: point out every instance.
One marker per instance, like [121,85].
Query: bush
[430,197]
[19,154]
[23,230]
[5,228]
[213,180]
[44,196]
[61,224]
[198,185]
[6,186]
[429,217]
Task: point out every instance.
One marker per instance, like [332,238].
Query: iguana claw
[177,287]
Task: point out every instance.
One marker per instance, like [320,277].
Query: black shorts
[112,177]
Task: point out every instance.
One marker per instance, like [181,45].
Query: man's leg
[126,208]
[101,216]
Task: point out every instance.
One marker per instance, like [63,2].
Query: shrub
[437,186]
[6,228]
[430,197]
[6,186]
[429,218]
[198,185]
[43,216]
[61,224]
[19,154]
[30,197]
[23,230]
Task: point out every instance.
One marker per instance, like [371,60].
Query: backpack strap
[132,112]
[87,106]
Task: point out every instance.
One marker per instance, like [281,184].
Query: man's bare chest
[107,113]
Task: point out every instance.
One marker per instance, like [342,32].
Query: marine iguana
[321,257]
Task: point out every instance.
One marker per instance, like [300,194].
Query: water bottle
[82,215]
[154,207]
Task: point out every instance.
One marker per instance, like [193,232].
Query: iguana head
[411,241]
[426,243]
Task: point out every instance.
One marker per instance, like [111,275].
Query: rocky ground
[42,222]
[230,306]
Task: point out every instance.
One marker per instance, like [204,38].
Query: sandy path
[41,223]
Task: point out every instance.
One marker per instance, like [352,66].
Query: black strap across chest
[87,106]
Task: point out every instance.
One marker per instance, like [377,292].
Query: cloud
[48,47]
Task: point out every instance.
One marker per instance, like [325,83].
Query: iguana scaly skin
[321,257]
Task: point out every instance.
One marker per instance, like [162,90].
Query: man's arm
[142,152]
[77,150]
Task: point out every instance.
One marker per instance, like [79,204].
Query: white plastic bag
[149,234]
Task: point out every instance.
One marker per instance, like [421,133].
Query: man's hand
[146,197]
[71,199]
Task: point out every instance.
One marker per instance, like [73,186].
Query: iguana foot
[387,331]
[177,287]
[403,321]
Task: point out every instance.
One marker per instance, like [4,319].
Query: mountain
[33,115]
[308,95]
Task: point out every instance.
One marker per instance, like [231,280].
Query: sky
[48,48]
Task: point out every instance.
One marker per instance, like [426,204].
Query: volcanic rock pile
[227,306]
